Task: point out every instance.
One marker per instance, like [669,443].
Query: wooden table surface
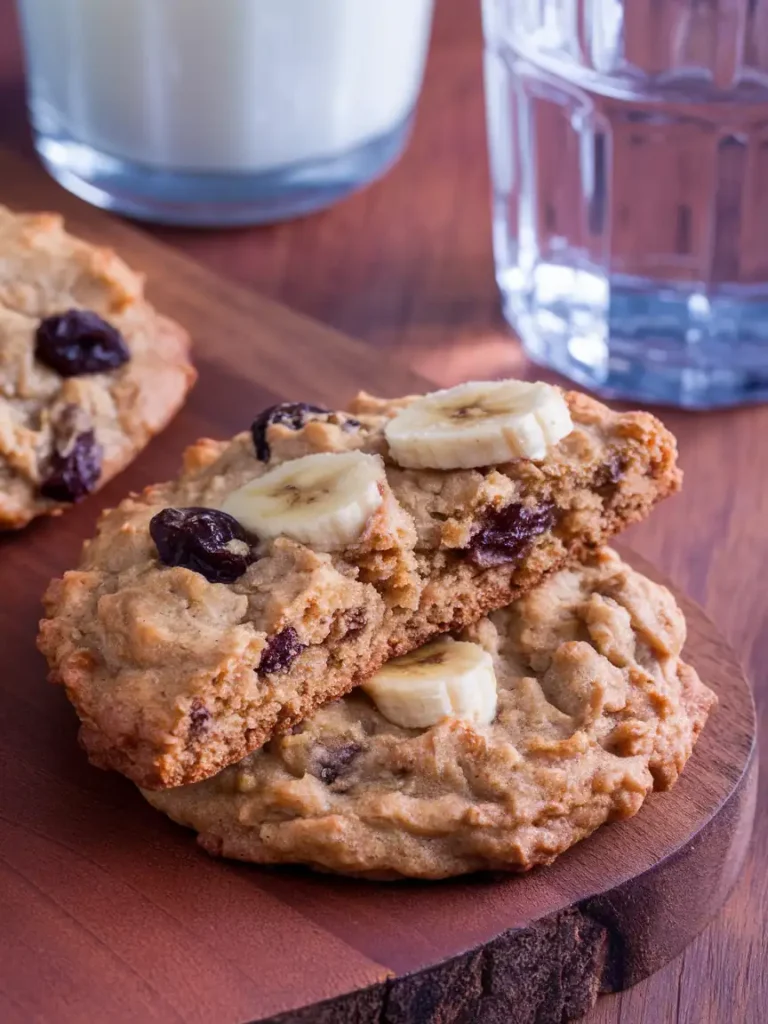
[406,266]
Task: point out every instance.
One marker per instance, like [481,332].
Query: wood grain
[406,266]
[101,887]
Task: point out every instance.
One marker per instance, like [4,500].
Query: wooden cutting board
[110,912]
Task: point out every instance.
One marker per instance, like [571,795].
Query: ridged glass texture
[629,155]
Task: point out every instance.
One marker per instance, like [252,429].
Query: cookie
[285,566]
[89,372]
[595,709]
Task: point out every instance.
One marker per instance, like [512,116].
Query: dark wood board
[406,266]
[110,912]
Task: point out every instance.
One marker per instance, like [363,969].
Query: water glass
[629,155]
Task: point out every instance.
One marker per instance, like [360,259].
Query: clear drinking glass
[629,155]
[221,111]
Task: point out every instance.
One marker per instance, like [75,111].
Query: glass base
[639,340]
[201,199]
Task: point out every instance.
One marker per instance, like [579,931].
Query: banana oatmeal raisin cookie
[284,567]
[595,708]
[89,372]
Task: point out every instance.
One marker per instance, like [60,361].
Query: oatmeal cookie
[284,567]
[595,709]
[89,372]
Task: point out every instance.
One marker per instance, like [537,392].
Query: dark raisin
[508,532]
[78,342]
[290,414]
[329,763]
[202,539]
[199,718]
[349,424]
[281,651]
[74,468]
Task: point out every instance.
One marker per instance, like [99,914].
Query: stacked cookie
[388,641]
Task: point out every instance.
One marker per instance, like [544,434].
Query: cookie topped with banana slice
[285,566]
[479,424]
[495,750]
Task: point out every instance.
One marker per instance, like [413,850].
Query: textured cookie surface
[175,677]
[64,434]
[595,709]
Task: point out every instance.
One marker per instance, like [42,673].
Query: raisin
[78,342]
[281,651]
[204,540]
[290,414]
[199,718]
[508,532]
[330,763]
[74,468]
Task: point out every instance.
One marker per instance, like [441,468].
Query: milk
[224,85]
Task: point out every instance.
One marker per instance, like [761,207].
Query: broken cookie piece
[89,371]
[341,558]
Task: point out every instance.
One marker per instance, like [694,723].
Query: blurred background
[413,249]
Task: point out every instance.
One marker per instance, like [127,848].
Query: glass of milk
[213,112]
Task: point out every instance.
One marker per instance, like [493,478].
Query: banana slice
[322,500]
[482,423]
[443,679]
